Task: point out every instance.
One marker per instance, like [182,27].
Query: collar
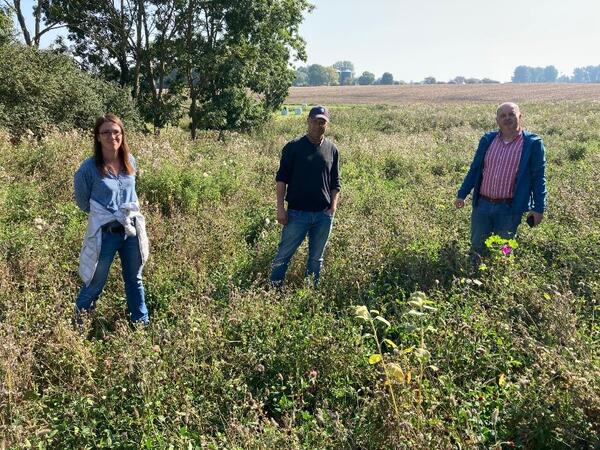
[315,143]
[519,135]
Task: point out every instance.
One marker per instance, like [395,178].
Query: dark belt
[496,201]
[113,227]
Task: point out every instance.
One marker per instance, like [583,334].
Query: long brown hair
[123,149]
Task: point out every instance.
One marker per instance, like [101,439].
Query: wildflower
[506,249]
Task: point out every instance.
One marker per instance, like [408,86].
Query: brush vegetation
[400,347]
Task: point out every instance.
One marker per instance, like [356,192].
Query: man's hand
[330,211]
[537,217]
[459,202]
[282,217]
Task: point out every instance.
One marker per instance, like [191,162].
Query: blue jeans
[300,223]
[131,264]
[488,219]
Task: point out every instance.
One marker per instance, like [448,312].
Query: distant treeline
[342,73]
[549,74]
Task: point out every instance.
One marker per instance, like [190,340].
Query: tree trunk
[22,23]
[193,114]
[138,49]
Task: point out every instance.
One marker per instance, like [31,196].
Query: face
[317,127]
[110,136]
[509,118]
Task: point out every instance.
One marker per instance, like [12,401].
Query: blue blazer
[530,184]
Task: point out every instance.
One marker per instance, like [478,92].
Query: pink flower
[506,249]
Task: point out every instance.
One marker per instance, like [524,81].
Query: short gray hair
[514,105]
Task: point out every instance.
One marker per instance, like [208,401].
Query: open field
[508,357]
[445,93]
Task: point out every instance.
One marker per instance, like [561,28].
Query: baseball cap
[319,112]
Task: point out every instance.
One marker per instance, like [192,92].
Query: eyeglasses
[115,133]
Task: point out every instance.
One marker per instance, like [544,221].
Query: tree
[366,78]
[550,74]
[333,76]
[387,78]
[344,65]
[40,14]
[301,77]
[429,80]
[318,75]
[526,74]
[522,74]
[133,42]
[236,56]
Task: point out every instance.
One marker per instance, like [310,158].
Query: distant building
[345,76]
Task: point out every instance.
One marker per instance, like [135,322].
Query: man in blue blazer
[507,177]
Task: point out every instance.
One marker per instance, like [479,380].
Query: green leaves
[383,321]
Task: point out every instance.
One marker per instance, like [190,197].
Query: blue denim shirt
[110,191]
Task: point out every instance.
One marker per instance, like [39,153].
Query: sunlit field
[446,93]
[507,357]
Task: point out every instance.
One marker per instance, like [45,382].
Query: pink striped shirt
[500,167]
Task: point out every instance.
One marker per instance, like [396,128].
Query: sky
[414,39]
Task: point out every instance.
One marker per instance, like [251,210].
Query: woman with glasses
[105,189]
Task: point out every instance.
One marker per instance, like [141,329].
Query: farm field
[507,357]
[445,93]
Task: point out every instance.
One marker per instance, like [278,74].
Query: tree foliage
[6,27]
[301,77]
[387,78]
[230,56]
[366,78]
[527,74]
[344,65]
[318,75]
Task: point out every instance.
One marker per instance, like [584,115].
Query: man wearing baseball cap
[309,180]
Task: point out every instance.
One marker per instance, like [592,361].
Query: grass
[512,355]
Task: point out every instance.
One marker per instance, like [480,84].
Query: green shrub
[41,90]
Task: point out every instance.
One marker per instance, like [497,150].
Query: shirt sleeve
[284,174]
[474,170]
[336,183]
[133,162]
[83,187]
